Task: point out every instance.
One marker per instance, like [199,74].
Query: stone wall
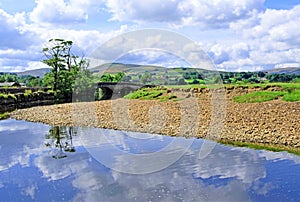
[15,90]
[22,100]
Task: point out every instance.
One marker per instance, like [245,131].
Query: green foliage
[146,77]
[6,96]
[9,77]
[296,80]
[27,92]
[84,87]
[4,115]
[259,96]
[292,96]
[145,94]
[65,67]
[112,77]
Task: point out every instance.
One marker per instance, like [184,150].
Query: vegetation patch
[27,93]
[259,96]
[151,94]
[260,146]
[292,96]
[6,96]
[4,115]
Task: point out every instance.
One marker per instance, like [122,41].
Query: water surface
[43,163]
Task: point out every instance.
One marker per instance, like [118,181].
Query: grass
[293,96]
[260,146]
[284,86]
[27,93]
[6,96]
[259,96]
[4,115]
[151,94]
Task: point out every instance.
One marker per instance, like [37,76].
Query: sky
[237,35]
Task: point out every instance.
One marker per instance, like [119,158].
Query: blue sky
[238,35]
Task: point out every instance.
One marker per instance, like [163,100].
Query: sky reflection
[29,172]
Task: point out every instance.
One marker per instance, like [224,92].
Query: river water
[43,163]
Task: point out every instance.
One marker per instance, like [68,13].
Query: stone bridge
[112,90]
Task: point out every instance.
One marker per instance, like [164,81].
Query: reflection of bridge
[119,89]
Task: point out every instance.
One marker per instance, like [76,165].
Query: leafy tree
[65,67]
[146,77]
[181,81]
[113,77]
[9,77]
[261,74]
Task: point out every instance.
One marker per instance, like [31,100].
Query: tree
[181,81]
[65,67]
[146,77]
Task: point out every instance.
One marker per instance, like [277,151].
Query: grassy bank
[283,86]
[261,146]
[263,96]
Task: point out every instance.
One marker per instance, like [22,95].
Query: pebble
[274,122]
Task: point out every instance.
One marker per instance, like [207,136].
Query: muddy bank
[274,122]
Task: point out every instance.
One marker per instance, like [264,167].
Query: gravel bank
[274,122]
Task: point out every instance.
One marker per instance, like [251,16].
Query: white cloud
[214,13]
[57,12]
[136,10]
[273,40]
[242,34]
[62,12]
[21,44]
[12,33]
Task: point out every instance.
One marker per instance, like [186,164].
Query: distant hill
[127,68]
[134,69]
[36,72]
[288,70]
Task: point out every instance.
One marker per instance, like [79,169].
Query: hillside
[36,72]
[288,70]
[135,69]
[127,68]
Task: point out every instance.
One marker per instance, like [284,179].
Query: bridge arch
[112,90]
[106,93]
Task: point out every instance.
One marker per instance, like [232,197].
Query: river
[43,163]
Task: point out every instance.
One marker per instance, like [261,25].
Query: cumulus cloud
[156,10]
[272,41]
[243,35]
[56,12]
[21,44]
[214,13]
[12,33]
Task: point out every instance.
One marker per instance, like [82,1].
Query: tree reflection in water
[60,140]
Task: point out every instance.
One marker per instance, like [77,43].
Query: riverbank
[274,123]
